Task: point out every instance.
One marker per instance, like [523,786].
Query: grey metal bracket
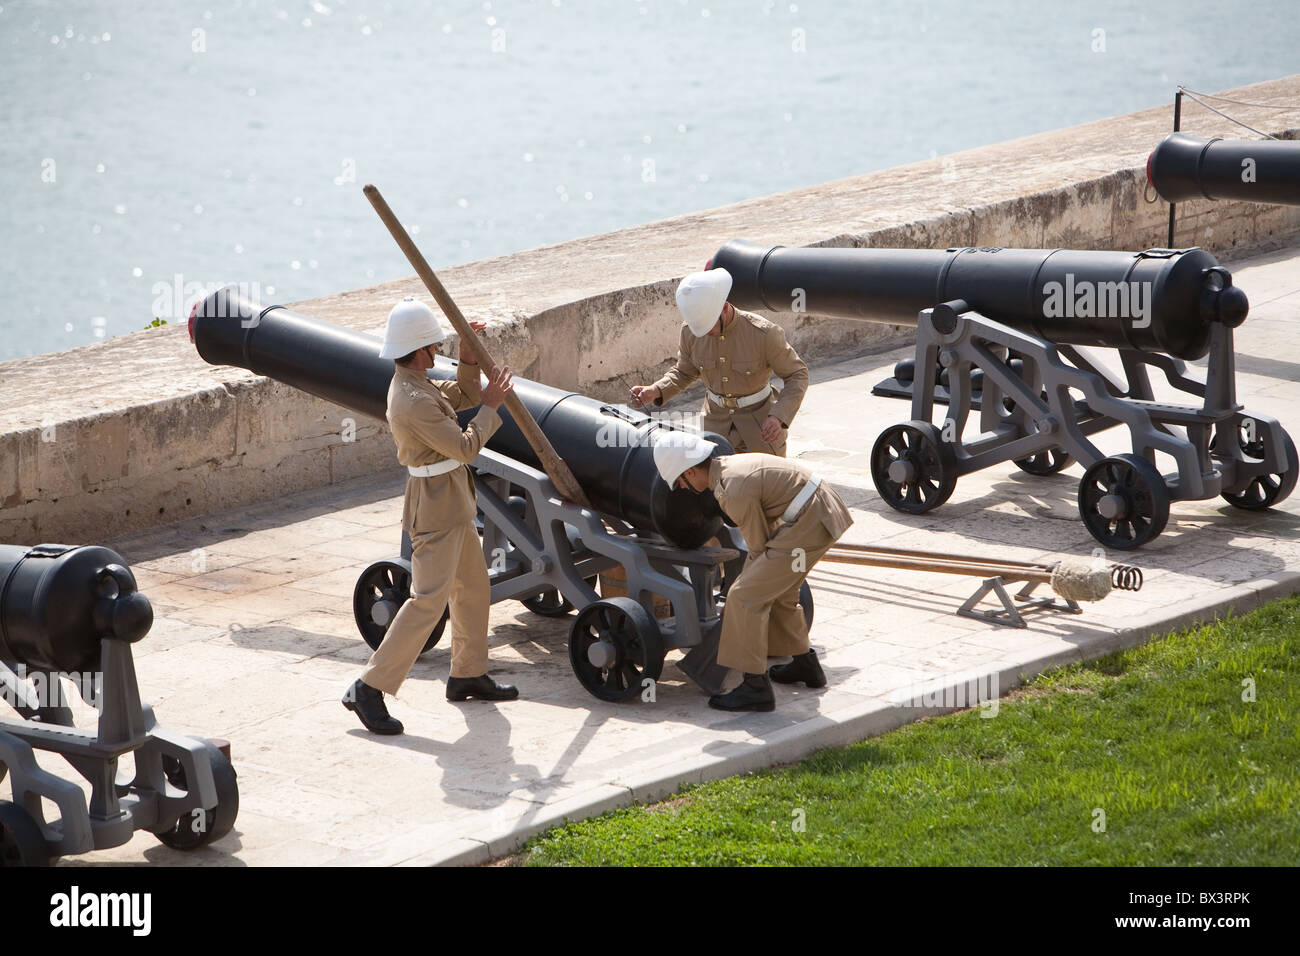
[1047,412]
[1012,610]
[117,806]
[556,544]
[29,782]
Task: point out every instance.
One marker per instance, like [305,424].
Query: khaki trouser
[762,617]
[446,567]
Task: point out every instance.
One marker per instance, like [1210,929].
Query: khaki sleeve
[465,392]
[442,432]
[792,371]
[681,375]
[744,507]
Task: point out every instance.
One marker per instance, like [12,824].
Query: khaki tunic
[740,362]
[762,617]
[447,564]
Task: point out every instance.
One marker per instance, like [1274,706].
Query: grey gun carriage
[1003,332]
[539,549]
[69,612]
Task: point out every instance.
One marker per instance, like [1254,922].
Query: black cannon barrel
[608,448]
[58,601]
[1156,301]
[1258,170]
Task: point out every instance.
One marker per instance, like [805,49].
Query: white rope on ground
[1079,581]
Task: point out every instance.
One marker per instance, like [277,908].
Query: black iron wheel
[551,603]
[913,467]
[1123,501]
[381,590]
[21,840]
[199,827]
[1265,489]
[548,603]
[614,647]
[1046,462]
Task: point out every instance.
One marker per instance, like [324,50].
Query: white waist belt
[801,500]
[437,468]
[755,399]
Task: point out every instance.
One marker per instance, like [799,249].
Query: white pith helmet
[700,299]
[411,325]
[676,451]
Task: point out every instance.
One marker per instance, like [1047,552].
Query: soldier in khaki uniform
[447,564]
[736,353]
[789,518]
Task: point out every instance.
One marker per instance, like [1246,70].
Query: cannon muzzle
[1260,170]
[57,602]
[1161,300]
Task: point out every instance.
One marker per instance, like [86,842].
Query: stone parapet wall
[137,431]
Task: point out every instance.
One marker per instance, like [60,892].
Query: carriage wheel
[21,840]
[200,827]
[551,603]
[381,590]
[913,468]
[1264,490]
[1123,501]
[614,647]
[1046,462]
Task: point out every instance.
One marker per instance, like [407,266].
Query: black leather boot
[804,667]
[753,693]
[368,704]
[484,688]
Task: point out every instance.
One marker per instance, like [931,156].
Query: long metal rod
[552,463]
[956,567]
[1006,572]
[940,555]
[1178,122]
[943,557]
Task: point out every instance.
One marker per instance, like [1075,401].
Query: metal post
[1178,120]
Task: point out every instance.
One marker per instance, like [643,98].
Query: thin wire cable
[1230,119]
[1224,99]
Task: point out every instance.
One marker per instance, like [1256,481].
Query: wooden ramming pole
[552,463]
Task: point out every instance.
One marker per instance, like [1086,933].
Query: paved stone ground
[257,644]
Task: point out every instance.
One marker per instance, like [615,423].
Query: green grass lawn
[1158,738]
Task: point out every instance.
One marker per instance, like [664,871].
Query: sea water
[148,149]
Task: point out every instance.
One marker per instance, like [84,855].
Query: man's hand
[643,395]
[499,385]
[466,355]
[771,430]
